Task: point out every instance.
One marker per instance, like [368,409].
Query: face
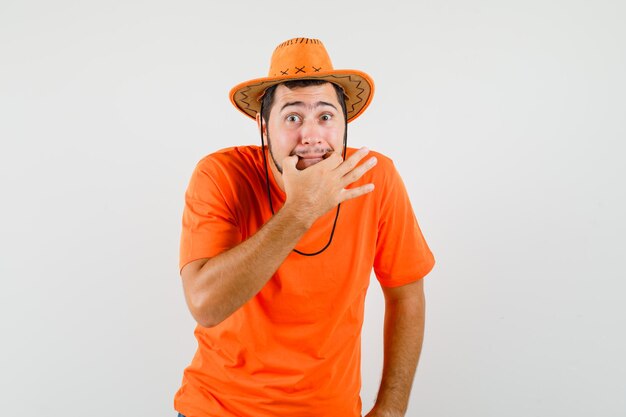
[307,122]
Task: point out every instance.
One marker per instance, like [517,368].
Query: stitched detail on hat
[298,40]
[245,99]
[317,69]
[358,87]
[301,69]
[358,99]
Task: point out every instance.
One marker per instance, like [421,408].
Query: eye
[293,118]
[326,117]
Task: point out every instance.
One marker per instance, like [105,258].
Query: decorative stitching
[358,87]
[301,69]
[245,98]
[252,111]
[299,40]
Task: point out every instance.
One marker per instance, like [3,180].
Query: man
[277,249]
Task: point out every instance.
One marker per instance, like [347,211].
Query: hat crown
[299,56]
[304,59]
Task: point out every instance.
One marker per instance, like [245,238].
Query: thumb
[289,163]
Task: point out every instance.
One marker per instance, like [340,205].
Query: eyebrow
[300,103]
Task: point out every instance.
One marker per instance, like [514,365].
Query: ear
[258,124]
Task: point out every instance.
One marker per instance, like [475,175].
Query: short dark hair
[268,96]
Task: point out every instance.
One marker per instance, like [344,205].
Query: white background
[505,118]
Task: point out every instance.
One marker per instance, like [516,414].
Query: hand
[378,413]
[315,190]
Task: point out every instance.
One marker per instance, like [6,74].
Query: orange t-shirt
[294,349]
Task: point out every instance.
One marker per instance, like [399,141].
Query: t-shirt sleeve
[209,225]
[402,254]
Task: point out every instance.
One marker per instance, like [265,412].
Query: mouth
[309,159]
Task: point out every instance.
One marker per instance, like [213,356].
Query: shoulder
[226,173]
[231,157]
[385,176]
[236,164]
[227,168]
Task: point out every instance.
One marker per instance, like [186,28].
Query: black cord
[269,195]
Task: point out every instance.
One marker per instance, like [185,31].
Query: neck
[278,177]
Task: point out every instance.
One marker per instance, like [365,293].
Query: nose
[310,133]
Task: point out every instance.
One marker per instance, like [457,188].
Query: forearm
[227,281]
[403,336]
[217,288]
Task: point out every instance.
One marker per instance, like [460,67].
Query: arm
[404,333]
[216,287]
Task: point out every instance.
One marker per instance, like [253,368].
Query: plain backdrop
[506,120]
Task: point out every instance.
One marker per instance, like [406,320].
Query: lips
[305,161]
[311,157]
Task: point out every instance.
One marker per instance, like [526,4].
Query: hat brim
[357,85]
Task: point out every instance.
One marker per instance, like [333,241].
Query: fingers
[351,162]
[324,183]
[353,171]
[359,171]
[289,163]
[355,192]
[332,160]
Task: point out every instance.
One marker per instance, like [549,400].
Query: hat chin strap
[267,182]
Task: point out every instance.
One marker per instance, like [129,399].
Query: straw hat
[304,58]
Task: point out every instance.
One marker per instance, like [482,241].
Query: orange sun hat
[302,59]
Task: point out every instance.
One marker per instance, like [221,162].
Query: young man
[277,249]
